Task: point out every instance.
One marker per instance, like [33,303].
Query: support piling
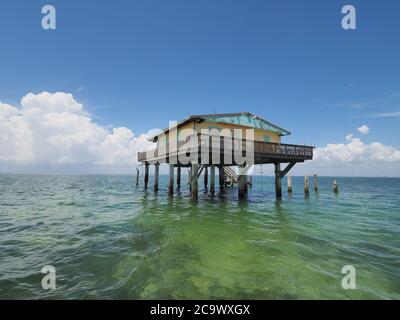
[178,177]
[212,179]
[171,180]
[289,184]
[146,175]
[278,181]
[306,185]
[156,176]
[315,183]
[335,186]
[194,181]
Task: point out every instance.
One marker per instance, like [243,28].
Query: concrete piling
[194,181]
[156,176]
[171,180]
[335,186]
[306,185]
[289,184]
[242,182]
[146,175]
[221,177]
[205,178]
[315,183]
[212,179]
[278,181]
[178,177]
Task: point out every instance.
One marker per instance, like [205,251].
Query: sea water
[109,239]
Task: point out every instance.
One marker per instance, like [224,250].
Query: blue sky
[139,64]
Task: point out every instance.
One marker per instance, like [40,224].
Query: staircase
[230,176]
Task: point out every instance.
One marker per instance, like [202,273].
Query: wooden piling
[242,188]
[306,185]
[335,186]
[190,178]
[194,181]
[171,180]
[315,183]
[221,177]
[278,181]
[137,176]
[205,178]
[289,184]
[156,176]
[146,175]
[212,179]
[178,178]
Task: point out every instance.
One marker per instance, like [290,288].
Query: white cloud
[356,150]
[353,158]
[54,128]
[388,114]
[363,129]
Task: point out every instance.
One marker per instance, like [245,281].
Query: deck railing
[277,150]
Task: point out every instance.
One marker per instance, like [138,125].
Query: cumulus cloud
[354,157]
[355,150]
[363,129]
[54,128]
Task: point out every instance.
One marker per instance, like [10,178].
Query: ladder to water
[230,176]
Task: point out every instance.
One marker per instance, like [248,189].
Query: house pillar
[205,178]
[221,177]
[194,181]
[278,181]
[178,178]
[146,175]
[171,180]
[137,176]
[242,181]
[212,179]
[156,176]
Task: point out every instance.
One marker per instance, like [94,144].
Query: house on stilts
[211,142]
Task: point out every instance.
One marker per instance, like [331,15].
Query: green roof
[246,119]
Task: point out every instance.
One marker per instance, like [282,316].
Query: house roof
[246,119]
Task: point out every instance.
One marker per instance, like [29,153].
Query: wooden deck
[264,152]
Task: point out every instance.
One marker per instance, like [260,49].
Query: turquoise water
[109,239]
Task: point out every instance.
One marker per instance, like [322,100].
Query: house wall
[259,134]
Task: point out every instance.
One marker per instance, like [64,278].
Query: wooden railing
[277,150]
